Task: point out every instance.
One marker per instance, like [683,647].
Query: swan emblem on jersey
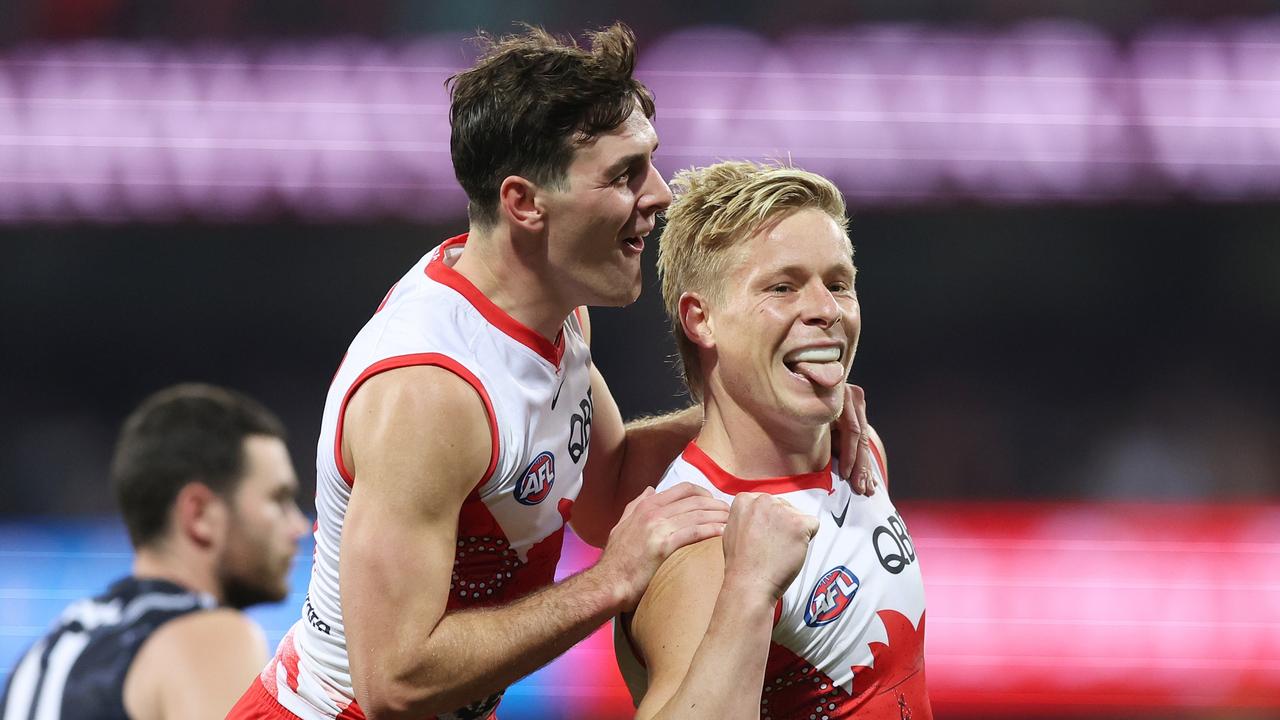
[535,485]
[832,593]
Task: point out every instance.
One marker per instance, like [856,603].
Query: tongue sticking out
[826,374]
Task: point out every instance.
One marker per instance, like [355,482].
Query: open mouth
[817,365]
[635,243]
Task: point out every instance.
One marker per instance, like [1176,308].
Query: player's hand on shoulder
[765,543]
[653,526]
[851,438]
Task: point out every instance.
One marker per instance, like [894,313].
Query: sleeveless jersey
[77,670]
[848,635]
[537,395]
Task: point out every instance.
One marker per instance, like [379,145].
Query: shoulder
[672,606]
[437,403]
[221,635]
[699,563]
[192,651]
[680,471]
[421,420]
[425,388]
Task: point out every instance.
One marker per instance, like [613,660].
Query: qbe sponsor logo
[894,548]
[832,593]
[535,484]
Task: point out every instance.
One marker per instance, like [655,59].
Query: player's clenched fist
[652,527]
[765,543]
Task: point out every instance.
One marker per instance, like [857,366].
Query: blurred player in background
[455,437]
[207,490]
[758,279]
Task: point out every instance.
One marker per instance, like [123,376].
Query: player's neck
[518,287]
[747,448]
[166,562]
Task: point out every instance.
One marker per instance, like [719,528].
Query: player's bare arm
[627,458]
[624,459]
[706,653]
[167,680]
[418,442]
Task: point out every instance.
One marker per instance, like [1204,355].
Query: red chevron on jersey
[897,661]
[848,636]
[537,395]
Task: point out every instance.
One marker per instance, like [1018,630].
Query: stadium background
[1067,221]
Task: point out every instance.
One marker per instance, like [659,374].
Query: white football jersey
[848,635]
[538,398]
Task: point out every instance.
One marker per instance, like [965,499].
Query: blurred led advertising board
[896,114]
[1034,610]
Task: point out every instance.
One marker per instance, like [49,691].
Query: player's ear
[695,321]
[200,514]
[518,202]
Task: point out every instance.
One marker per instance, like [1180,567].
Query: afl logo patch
[833,593]
[536,484]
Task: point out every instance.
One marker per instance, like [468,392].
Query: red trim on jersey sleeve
[288,656]
[440,272]
[351,712]
[732,485]
[386,298]
[400,361]
[875,452]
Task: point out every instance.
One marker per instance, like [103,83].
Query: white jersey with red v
[537,394]
[848,635]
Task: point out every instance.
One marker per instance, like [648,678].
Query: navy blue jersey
[77,670]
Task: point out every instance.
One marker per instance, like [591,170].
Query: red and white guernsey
[538,398]
[848,635]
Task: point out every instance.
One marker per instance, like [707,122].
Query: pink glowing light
[1045,112]
[1045,609]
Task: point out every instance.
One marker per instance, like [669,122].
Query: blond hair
[715,210]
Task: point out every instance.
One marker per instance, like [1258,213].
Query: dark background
[1043,352]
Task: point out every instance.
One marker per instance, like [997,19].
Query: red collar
[732,485]
[445,275]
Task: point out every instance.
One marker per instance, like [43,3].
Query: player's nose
[820,306]
[655,195]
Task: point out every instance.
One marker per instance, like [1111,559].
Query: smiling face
[597,221]
[782,327]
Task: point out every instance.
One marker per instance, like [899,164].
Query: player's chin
[276,588]
[818,406]
[621,293]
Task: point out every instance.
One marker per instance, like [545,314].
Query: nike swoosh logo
[840,518]
[557,395]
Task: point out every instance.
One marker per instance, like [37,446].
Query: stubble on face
[264,524]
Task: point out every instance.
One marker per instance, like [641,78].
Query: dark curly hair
[530,101]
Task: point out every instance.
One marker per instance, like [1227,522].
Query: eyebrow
[629,160]
[622,164]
